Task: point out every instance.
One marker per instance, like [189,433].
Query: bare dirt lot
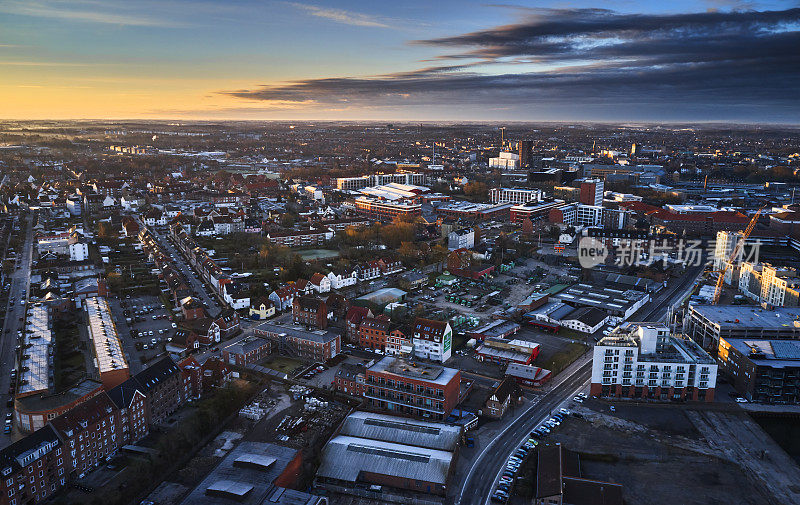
[658,456]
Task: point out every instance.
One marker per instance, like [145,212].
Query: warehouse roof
[387,428]
[344,458]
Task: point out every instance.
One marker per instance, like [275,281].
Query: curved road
[487,467]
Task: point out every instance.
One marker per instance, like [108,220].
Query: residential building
[707,324]
[92,432]
[505,161]
[320,283]
[432,339]
[643,360]
[769,285]
[410,388]
[461,239]
[246,350]
[764,371]
[353,318]
[310,311]
[162,385]
[314,345]
[34,468]
[262,308]
[503,396]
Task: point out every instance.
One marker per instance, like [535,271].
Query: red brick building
[92,432]
[374,332]
[310,311]
[414,389]
[33,468]
[353,321]
[246,350]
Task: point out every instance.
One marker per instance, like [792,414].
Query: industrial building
[374,453]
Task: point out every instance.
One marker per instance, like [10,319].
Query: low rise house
[432,339]
[262,308]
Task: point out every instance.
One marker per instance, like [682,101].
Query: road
[487,467]
[212,304]
[20,287]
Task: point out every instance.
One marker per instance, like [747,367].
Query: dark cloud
[703,60]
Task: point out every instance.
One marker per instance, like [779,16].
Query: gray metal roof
[345,457]
[443,437]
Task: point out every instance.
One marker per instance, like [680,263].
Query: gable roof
[156,373]
[123,394]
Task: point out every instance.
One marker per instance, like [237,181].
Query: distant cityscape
[304,313]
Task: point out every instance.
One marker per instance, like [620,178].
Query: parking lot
[151,325]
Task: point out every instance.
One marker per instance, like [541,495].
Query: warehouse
[374,450]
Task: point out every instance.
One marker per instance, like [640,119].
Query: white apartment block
[505,160]
[589,215]
[769,285]
[643,360]
[355,183]
[516,196]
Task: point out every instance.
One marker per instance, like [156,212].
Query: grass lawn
[283,364]
[318,254]
[560,360]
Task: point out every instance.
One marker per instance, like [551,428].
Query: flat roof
[108,352]
[726,316]
[773,353]
[414,370]
[299,332]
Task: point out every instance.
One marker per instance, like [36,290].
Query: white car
[577,399]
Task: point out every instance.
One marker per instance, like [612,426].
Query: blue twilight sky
[404,60]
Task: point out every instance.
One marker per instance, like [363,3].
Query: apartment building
[432,340]
[707,324]
[385,210]
[316,345]
[299,238]
[310,311]
[643,360]
[162,386]
[769,285]
[515,195]
[461,239]
[246,350]
[762,370]
[355,183]
[33,468]
[92,432]
[409,388]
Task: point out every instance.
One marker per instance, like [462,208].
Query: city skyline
[716,61]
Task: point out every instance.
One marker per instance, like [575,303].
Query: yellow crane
[735,254]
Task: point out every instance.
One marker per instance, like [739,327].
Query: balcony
[405,402]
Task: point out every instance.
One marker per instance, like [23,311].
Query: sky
[406,60]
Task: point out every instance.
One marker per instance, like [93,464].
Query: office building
[316,345]
[386,210]
[643,360]
[505,161]
[525,153]
[592,192]
[533,210]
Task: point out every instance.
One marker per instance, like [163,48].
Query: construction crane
[735,254]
